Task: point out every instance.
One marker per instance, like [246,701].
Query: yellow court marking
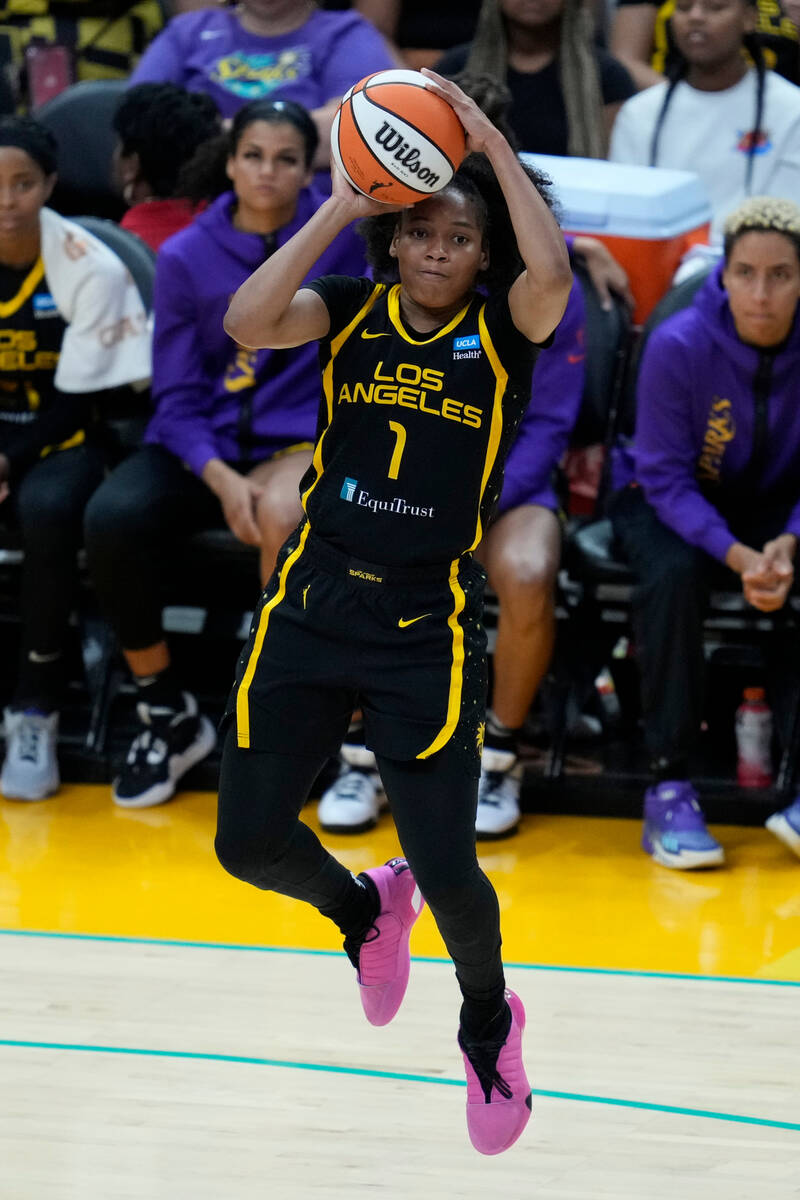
[573,891]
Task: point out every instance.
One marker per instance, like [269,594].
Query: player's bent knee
[278,513]
[527,577]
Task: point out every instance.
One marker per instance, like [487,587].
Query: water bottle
[754,740]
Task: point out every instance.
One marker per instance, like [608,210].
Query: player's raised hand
[355,203]
[477,126]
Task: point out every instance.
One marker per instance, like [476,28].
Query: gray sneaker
[30,768]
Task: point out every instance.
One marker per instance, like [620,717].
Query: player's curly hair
[476,180]
[164,124]
[763,214]
[26,133]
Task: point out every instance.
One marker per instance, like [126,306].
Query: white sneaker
[168,744]
[353,802]
[498,795]
[30,769]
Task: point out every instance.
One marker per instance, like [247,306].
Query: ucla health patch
[44,305]
[468,346]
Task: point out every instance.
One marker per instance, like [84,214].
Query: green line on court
[517,966]
[399,1076]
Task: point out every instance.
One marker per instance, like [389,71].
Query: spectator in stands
[565,90]
[276,49]
[642,38]
[159,126]
[716,495]
[232,431]
[93,39]
[737,126]
[71,326]
[421,31]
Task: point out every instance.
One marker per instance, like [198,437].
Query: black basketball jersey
[414,428]
[31,332]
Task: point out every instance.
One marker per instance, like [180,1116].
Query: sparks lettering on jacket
[720,430]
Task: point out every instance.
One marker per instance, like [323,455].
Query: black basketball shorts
[332,634]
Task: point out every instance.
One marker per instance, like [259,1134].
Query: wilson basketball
[394,139]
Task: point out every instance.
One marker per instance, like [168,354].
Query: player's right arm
[271,308]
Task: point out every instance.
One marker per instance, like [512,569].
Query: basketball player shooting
[376,600]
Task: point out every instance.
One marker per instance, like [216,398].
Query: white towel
[108,340]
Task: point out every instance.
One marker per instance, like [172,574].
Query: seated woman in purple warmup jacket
[716,494]
[232,431]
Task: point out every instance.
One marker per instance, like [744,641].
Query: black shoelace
[484,1056]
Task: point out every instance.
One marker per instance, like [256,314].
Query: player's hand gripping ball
[394,139]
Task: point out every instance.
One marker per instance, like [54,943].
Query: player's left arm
[538,296]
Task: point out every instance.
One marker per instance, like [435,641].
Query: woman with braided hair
[715,494]
[565,90]
[736,125]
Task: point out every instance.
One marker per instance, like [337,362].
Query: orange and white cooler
[647,216]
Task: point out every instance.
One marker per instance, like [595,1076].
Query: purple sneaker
[675,833]
[384,961]
[786,826]
[498,1092]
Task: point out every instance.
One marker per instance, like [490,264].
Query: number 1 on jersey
[400,444]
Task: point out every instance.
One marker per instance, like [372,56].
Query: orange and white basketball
[396,140]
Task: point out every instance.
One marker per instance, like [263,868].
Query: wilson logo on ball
[408,156]
[395,139]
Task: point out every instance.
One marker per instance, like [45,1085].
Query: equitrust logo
[397,505]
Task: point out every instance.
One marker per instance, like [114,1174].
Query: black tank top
[414,428]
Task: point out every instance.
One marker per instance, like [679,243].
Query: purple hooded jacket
[550,417]
[214,399]
[696,405]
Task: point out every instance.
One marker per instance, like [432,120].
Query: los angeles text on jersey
[411,386]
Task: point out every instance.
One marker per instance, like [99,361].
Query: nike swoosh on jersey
[365,334]
[210,33]
[410,620]
[573,359]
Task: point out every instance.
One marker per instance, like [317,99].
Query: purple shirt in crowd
[550,417]
[214,399]
[209,51]
[695,421]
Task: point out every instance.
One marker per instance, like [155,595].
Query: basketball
[394,139]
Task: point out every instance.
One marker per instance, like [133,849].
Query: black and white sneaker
[169,743]
[498,814]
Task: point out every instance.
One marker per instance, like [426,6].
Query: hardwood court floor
[168,1033]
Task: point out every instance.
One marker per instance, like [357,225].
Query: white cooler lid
[595,196]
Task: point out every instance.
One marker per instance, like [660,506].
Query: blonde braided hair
[577,61]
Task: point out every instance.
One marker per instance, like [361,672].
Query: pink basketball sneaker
[498,1092]
[384,961]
